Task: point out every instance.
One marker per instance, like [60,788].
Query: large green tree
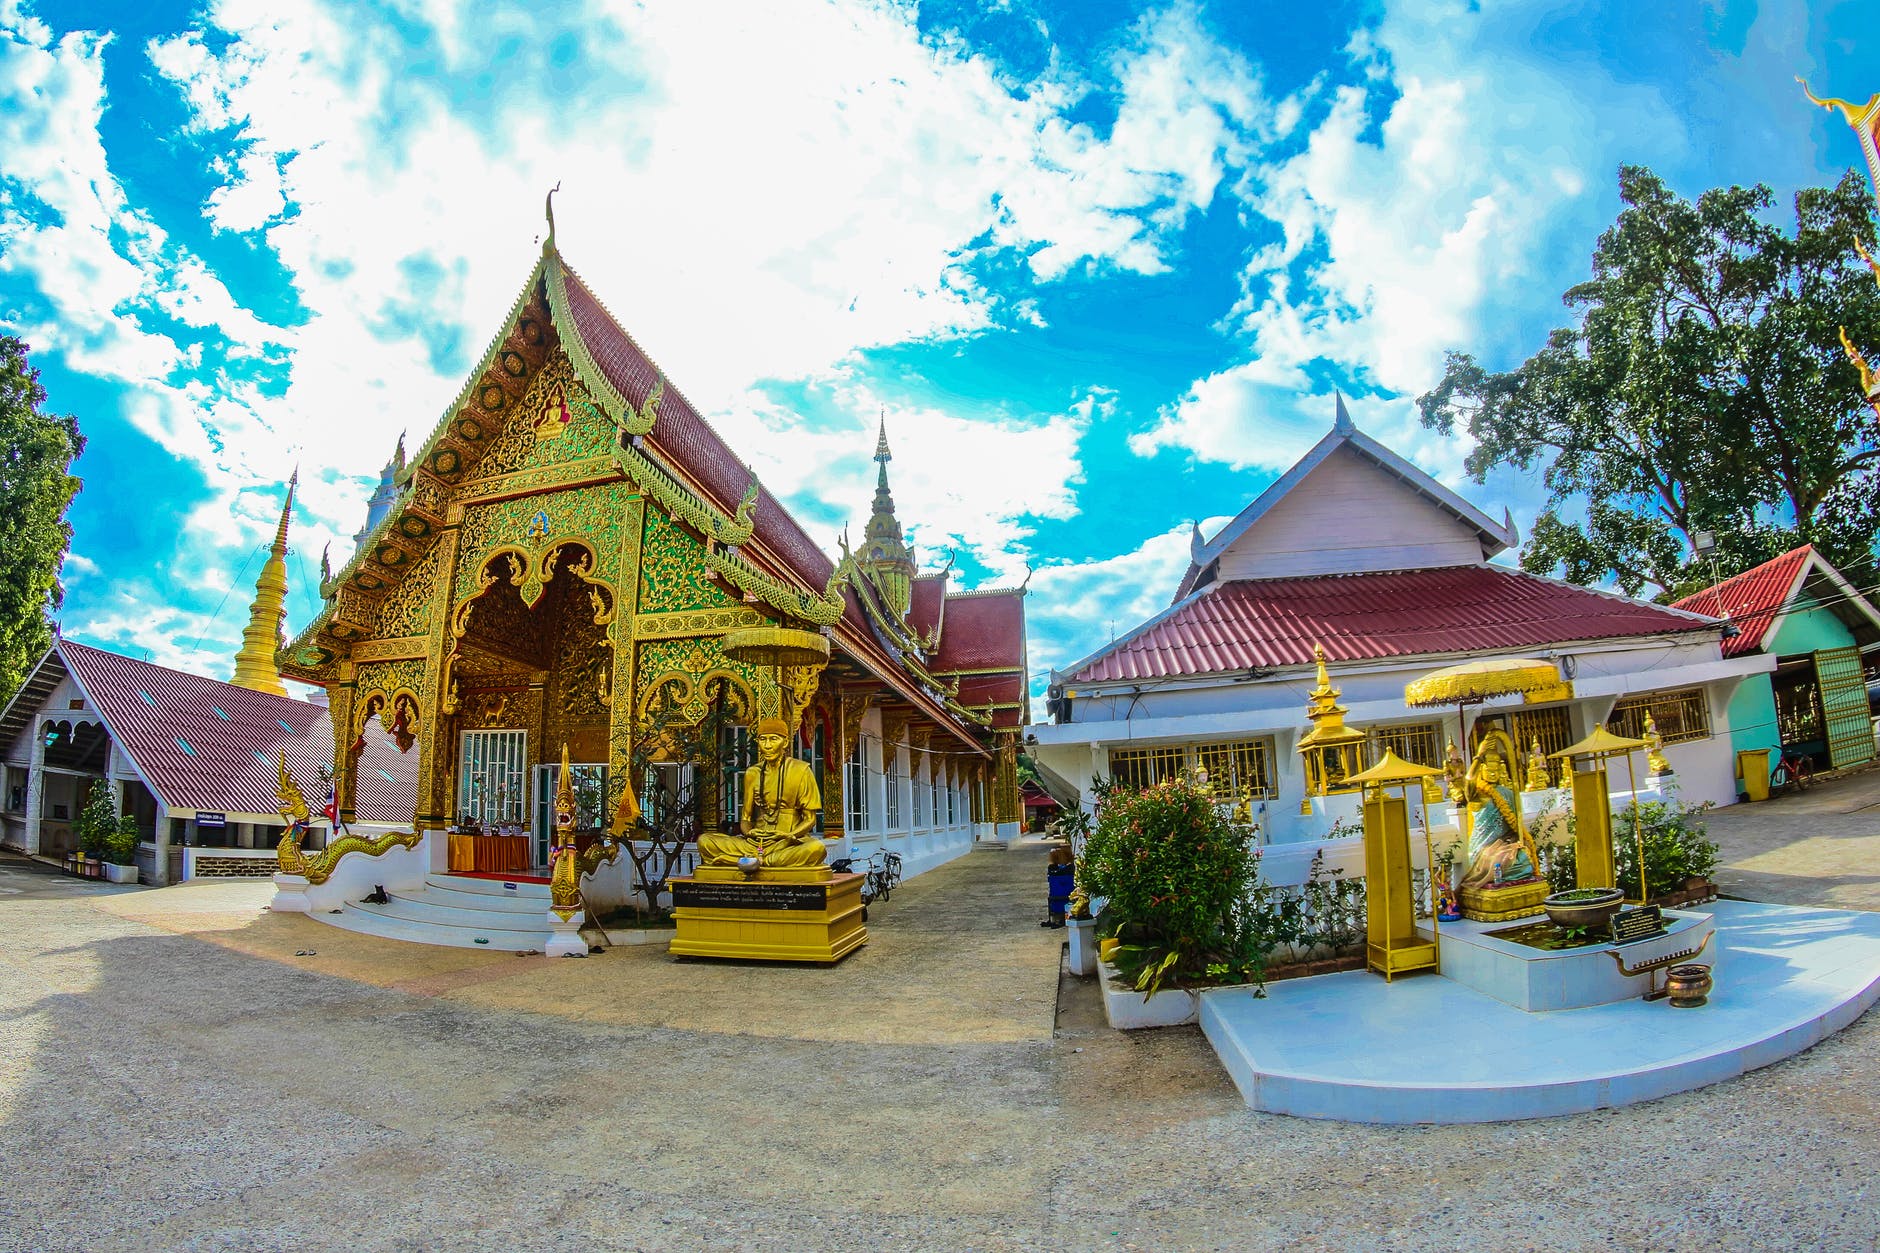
[1704,388]
[36,451]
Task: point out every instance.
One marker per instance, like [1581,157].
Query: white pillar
[36,787]
[160,838]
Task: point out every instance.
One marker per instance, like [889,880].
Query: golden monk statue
[781,802]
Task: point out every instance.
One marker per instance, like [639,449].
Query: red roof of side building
[207,745]
[1751,599]
[1260,623]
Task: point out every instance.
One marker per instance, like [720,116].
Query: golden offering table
[774,914]
[490,854]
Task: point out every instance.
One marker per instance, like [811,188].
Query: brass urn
[1688,986]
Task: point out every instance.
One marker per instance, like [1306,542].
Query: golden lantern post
[1593,861]
[1392,945]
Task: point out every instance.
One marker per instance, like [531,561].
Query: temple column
[1007,810]
[36,787]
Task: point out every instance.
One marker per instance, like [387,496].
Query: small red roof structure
[1257,624]
[1756,600]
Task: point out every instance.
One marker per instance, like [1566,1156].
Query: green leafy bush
[120,848]
[96,821]
[1677,847]
[1179,879]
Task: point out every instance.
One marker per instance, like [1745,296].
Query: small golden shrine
[1331,751]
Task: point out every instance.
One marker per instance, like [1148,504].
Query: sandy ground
[172,1076]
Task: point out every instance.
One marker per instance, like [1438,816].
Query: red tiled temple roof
[688,442]
[927,604]
[1260,623]
[1751,599]
[983,631]
[206,745]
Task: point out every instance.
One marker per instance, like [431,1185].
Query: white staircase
[503,914]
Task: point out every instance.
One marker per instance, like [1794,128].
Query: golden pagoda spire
[884,553]
[255,667]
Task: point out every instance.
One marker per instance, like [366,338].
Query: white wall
[1348,515]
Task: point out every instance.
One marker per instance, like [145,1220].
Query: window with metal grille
[492,779]
[1552,727]
[855,785]
[736,751]
[919,790]
[1238,770]
[1679,715]
[1145,767]
[1419,742]
[891,776]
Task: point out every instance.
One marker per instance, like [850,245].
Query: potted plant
[120,851]
[94,825]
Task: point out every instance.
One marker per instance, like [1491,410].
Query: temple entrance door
[590,789]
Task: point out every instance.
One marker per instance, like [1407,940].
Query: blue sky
[1101,264]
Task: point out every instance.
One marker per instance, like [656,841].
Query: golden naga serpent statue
[319,868]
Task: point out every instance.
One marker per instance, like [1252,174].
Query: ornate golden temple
[563,560]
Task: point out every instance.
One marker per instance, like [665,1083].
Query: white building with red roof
[196,760]
[1357,551]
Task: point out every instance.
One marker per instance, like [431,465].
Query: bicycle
[1792,771]
[881,874]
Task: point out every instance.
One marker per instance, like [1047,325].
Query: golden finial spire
[884,552]
[255,666]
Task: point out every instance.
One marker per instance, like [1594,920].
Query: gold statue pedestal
[1503,904]
[809,914]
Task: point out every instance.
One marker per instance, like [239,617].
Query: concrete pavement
[173,1077]
[1819,847]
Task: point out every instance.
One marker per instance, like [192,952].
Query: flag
[331,809]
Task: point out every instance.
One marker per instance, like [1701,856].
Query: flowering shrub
[1179,878]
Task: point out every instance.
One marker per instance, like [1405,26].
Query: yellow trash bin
[1752,764]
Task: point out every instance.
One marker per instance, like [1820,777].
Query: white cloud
[1074,608]
[971,484]
[757,201]
[1419,208]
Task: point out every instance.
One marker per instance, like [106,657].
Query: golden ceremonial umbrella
[1473,682]
[775,646]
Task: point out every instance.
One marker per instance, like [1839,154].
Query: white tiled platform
[1428,1050]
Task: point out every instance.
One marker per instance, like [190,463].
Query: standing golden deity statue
[779,811]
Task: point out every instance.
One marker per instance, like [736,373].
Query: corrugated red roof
[1257,623]
[207,745]
[983,631]
[1751,599]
